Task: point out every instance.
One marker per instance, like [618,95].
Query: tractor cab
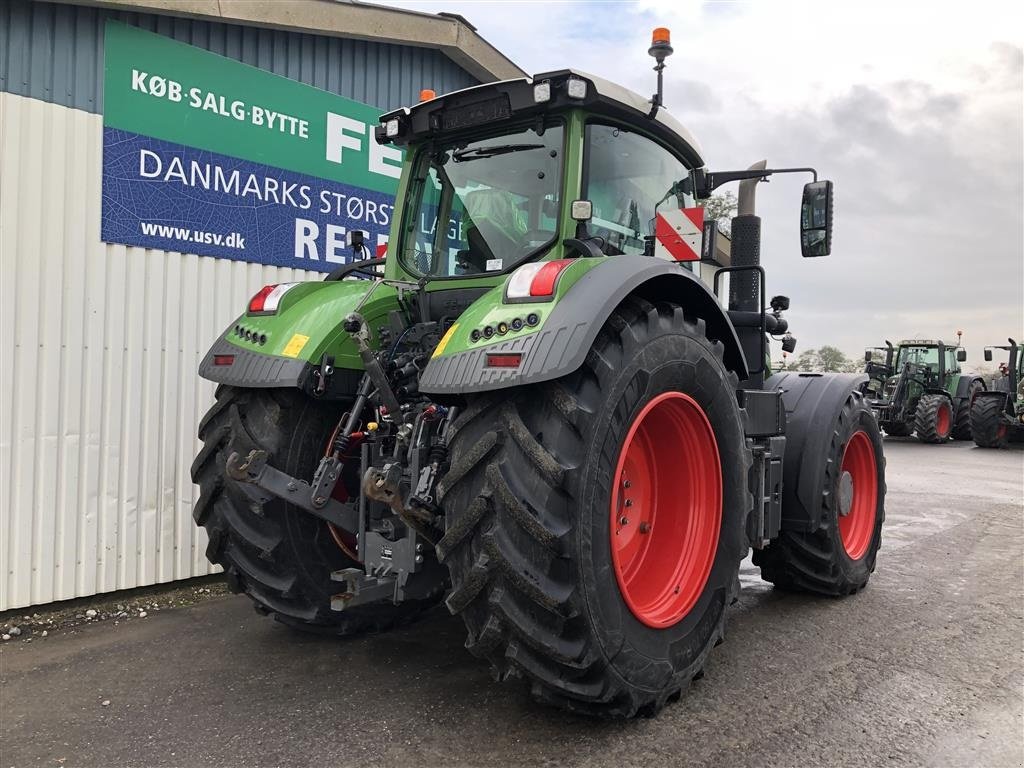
[556,166]
[1011,373]
[928,362]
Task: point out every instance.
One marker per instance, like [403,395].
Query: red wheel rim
[943,419]
[858,500]
[666,509]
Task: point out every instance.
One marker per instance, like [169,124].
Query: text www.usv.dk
[185,235]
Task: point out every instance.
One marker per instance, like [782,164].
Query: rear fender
[813,402]
[937,391]
[963,387]
[283,349]
[588,292]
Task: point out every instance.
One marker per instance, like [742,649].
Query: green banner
[168,90]
[202,154]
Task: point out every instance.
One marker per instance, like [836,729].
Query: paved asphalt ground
[922,668]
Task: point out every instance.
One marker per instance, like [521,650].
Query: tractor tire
[895,429]
[278,555]
[543,558]
[962,422]
[839,557]
[988,424]
[933,419]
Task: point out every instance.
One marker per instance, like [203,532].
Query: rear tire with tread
[818,562]
[527,505]
[280,556]
[962,423]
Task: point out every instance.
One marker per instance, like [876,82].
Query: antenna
[661,48]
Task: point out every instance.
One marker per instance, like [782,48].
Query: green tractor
[534,410]
[921,389]
[997,416]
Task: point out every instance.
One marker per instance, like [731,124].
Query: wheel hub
[845,493]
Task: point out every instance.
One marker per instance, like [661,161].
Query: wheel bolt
[645,527]
[626,484]
[629,502]
[623,520]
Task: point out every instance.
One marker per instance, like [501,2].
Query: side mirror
[961,355]
[988,355]
[816,219]
[867,355]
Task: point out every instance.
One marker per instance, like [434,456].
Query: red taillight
[223,359]
[544,282]
[269,297]
[256,302]
[503,360]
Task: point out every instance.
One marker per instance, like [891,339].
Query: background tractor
[534,409]
[997,416]
[921,389]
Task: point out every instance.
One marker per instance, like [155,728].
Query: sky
[913,110]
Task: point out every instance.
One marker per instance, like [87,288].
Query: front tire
[839,557]
[529,506]
[278,555]
[933,419]
[987,423]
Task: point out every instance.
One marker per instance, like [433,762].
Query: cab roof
[489,104]
[923,343]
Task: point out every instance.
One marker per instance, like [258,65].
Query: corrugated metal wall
[54,52]
[99,397]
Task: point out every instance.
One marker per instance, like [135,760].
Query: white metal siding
[99,397]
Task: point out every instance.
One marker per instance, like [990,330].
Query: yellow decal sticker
[295,345]
[444,340]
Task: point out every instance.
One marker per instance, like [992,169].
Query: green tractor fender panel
[566,325]
[963,386]
[283,348]
[813,402]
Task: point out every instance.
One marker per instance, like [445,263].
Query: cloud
[914,110]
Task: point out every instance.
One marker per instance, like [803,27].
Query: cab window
[485,205]
[629,178]
[952,366]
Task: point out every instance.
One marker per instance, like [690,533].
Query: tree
[806,361]
[832,359]
[826,359]
[721,207]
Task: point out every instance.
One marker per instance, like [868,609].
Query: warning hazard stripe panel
[680,233]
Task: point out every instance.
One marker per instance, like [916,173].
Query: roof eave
[451,35]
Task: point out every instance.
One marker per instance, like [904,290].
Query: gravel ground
[925,667]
